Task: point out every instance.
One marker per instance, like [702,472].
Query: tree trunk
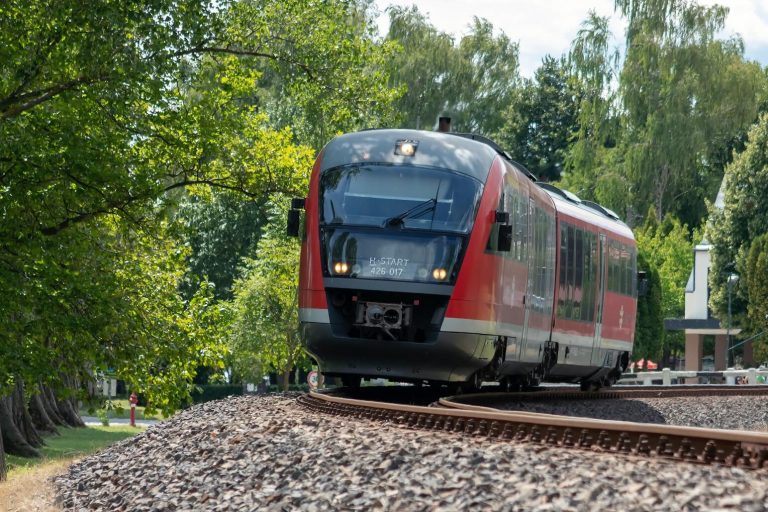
[49,403]
[13,440]
[3,469]
[69,414]
[286,379]
[21,417]
[40,417]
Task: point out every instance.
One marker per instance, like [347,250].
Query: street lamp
[732,280]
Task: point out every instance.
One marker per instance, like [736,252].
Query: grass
[29,487]
[73,442]
[121,408]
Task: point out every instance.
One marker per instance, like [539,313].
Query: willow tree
[472,80]
[682,91]
[592,163]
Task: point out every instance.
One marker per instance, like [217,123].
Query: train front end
[389,218]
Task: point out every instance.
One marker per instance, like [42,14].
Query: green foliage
[662,136]
[472,81]
[743,219]
[220,230]
[265,323]
[681,89]
[593,169]
[542,120]
[649,328]
[757,293]
[667,249]
[209,392]
[109,114]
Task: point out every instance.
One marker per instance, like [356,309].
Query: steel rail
[686,444]
[610,393]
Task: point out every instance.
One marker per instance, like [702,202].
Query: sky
[544,27]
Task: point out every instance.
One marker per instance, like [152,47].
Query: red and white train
[433,257]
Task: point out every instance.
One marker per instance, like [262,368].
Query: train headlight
[340,267]
[439,274]
[406,147]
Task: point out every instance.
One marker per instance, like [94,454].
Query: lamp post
[732,280]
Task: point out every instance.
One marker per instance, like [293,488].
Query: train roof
[569,204]
[434,149]
[468,153]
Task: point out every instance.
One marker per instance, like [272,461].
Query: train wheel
[589,385]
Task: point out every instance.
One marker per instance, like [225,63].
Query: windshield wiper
[412,212]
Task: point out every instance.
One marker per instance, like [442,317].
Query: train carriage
[430,256]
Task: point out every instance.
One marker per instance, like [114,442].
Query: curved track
[685,444]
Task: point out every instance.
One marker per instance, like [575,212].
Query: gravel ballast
[267,453]
[726,412]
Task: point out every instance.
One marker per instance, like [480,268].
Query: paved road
[93,420]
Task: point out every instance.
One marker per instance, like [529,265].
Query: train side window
[578,274]
[633,273]
[590,268]
[562,294]
[571,267]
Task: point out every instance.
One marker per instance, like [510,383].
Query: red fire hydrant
[134,400]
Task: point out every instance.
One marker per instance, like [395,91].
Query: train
[433,257]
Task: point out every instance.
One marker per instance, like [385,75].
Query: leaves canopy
[470,82]
[107,112]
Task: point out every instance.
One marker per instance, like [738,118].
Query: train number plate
[387,267]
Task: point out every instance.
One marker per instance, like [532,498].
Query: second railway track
[462,415]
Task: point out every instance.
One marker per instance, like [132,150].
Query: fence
[666,376]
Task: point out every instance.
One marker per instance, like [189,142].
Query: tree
[681,89]
[649,328]
[593,169]
[757,293]
[107,113]
[667,247]
[220,228]
[542,120]
[472,81]
[743,218]
[265,317]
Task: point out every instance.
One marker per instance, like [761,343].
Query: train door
[529,342]
[602,266]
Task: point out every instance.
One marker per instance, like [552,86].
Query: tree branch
[244,53]
[15,105]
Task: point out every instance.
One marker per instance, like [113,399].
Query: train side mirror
[642,283]
[294,217]
[504,233]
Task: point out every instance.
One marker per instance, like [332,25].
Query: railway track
[463,415]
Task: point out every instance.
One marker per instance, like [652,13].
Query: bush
[208,392]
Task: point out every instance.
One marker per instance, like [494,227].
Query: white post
[752,376]
[666,377]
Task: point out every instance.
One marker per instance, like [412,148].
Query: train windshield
[406,197]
